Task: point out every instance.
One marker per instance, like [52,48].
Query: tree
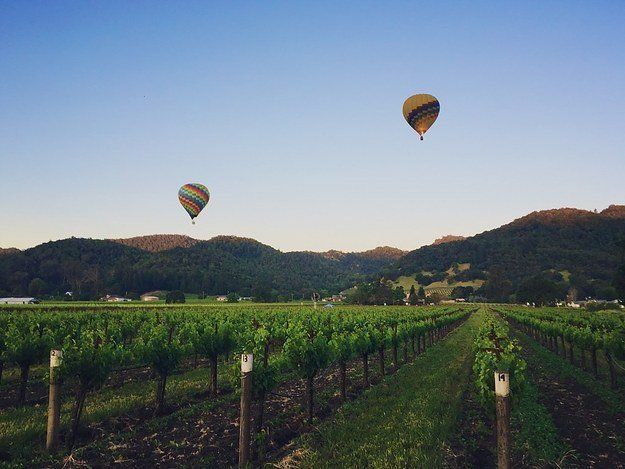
[36,287]
[571,295]
[619,277]
[497,287]
[412,296]
[3,327]
[399,295]
[540,290]
[421,294]
[435,298]
[263,292]
[462,292]
[359,295]
[175,296]
[232,297]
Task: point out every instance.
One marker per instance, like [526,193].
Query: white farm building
[18,301]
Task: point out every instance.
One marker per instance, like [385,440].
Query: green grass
[535,436]
[404,421]
[407,281]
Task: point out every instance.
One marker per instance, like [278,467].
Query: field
[156,385]
[442,287]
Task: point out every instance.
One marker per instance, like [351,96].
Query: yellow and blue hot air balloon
[193,197]
[420,111]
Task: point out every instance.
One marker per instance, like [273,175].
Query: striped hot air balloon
[420,111]
[193,197]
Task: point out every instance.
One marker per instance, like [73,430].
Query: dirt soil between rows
[583,420]
[209,437]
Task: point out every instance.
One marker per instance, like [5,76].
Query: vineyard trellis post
[502,408]
[247,361]
[54,401]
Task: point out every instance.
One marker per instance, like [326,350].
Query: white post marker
[502,384]
[54,401]
[56,358]
[502,410]
[247,362]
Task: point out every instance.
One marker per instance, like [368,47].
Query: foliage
[91,268]
[376,293]
[540,290]
[581,243]
[308,348]
[232,297]
[175,296]
[412,296]
[98,339]
[494,352]
[462,292]
[88,359]
[602,306]
[403,423]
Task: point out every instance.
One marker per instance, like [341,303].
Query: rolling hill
[576,247]
[573,247]
[158,243]
[92,267]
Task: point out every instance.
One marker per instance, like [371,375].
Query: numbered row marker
[502,384]
[247,361]
[56,358]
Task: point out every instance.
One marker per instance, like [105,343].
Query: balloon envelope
[193,197]
[420,111]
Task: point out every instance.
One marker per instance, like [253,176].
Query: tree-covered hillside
[223,264]
[575,248]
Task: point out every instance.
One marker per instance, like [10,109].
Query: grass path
[404,421]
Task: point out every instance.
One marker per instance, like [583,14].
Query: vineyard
[105,348]
[160,385]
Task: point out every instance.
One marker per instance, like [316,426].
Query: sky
[290,113]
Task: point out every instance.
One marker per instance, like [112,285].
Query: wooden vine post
[54,400]
[502,407]
[247,361]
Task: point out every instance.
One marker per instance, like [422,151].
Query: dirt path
[584,421]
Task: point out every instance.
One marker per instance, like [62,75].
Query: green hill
[573,247]
[91,267]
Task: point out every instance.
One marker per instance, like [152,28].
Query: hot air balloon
[420,111]
[193,197]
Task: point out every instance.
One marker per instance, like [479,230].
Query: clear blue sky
[290,112]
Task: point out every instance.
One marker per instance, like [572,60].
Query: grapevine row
[566,331]
[283,341]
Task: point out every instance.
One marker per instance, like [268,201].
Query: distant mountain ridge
[166,262]
[578,247]
[447,239]
[158,242]
[165,242]
[570,215]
